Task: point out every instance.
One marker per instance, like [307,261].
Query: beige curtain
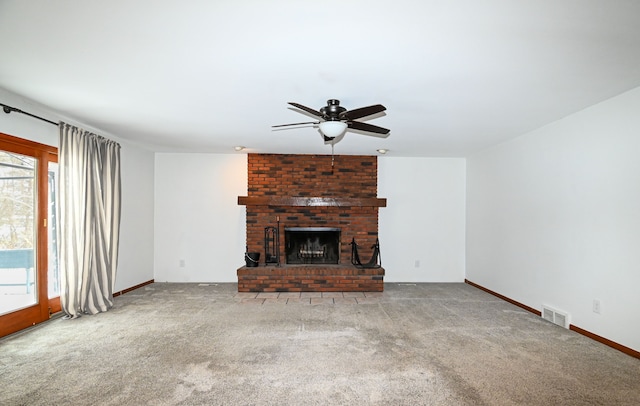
[89,205]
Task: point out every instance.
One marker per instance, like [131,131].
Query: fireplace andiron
[374,262]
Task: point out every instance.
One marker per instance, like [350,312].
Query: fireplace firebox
[312,245]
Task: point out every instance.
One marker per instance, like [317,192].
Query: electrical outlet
[417,263]
[182,263]
[596,306]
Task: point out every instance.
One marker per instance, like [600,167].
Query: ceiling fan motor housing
[332,111]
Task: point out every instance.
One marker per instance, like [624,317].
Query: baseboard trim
[506,299]
[600,339]
[122,292]
[606,341]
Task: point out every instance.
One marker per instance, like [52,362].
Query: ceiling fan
[335,120]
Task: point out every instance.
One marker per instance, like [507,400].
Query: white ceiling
[456,76]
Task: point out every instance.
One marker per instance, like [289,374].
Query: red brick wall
[317,278]
[273,175]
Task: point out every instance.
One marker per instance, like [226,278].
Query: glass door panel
[18,242]
[52,228]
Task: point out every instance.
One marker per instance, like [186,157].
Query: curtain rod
[9,109]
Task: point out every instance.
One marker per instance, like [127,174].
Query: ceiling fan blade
[287,125]
[307,109]
[362,112]
[356,125]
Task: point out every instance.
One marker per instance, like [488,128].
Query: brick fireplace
[300,192]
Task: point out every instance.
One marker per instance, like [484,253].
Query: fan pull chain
[332,145]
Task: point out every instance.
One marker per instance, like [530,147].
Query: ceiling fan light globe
[332,128]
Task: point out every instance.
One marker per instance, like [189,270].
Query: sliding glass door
[29,283]
[53,273]
[18,203]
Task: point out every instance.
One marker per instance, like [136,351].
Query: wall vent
[555,316]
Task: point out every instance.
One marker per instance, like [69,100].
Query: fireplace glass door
[312,245]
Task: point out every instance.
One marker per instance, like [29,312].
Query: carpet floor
[413,344]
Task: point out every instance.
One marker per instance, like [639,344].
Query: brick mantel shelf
[311,201]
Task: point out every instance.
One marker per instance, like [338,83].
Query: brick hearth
[305,191]
[310,278]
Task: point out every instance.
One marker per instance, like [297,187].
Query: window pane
[53,275]
[18,287]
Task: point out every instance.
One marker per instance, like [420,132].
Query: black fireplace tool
[272,245]
[374,262]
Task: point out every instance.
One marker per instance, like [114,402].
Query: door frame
[41,311]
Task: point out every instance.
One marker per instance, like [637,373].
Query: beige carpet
[424,344]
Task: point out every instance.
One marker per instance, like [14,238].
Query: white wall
[553,217]
[422,229]
[135,264]
[199,222]
[197,217]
